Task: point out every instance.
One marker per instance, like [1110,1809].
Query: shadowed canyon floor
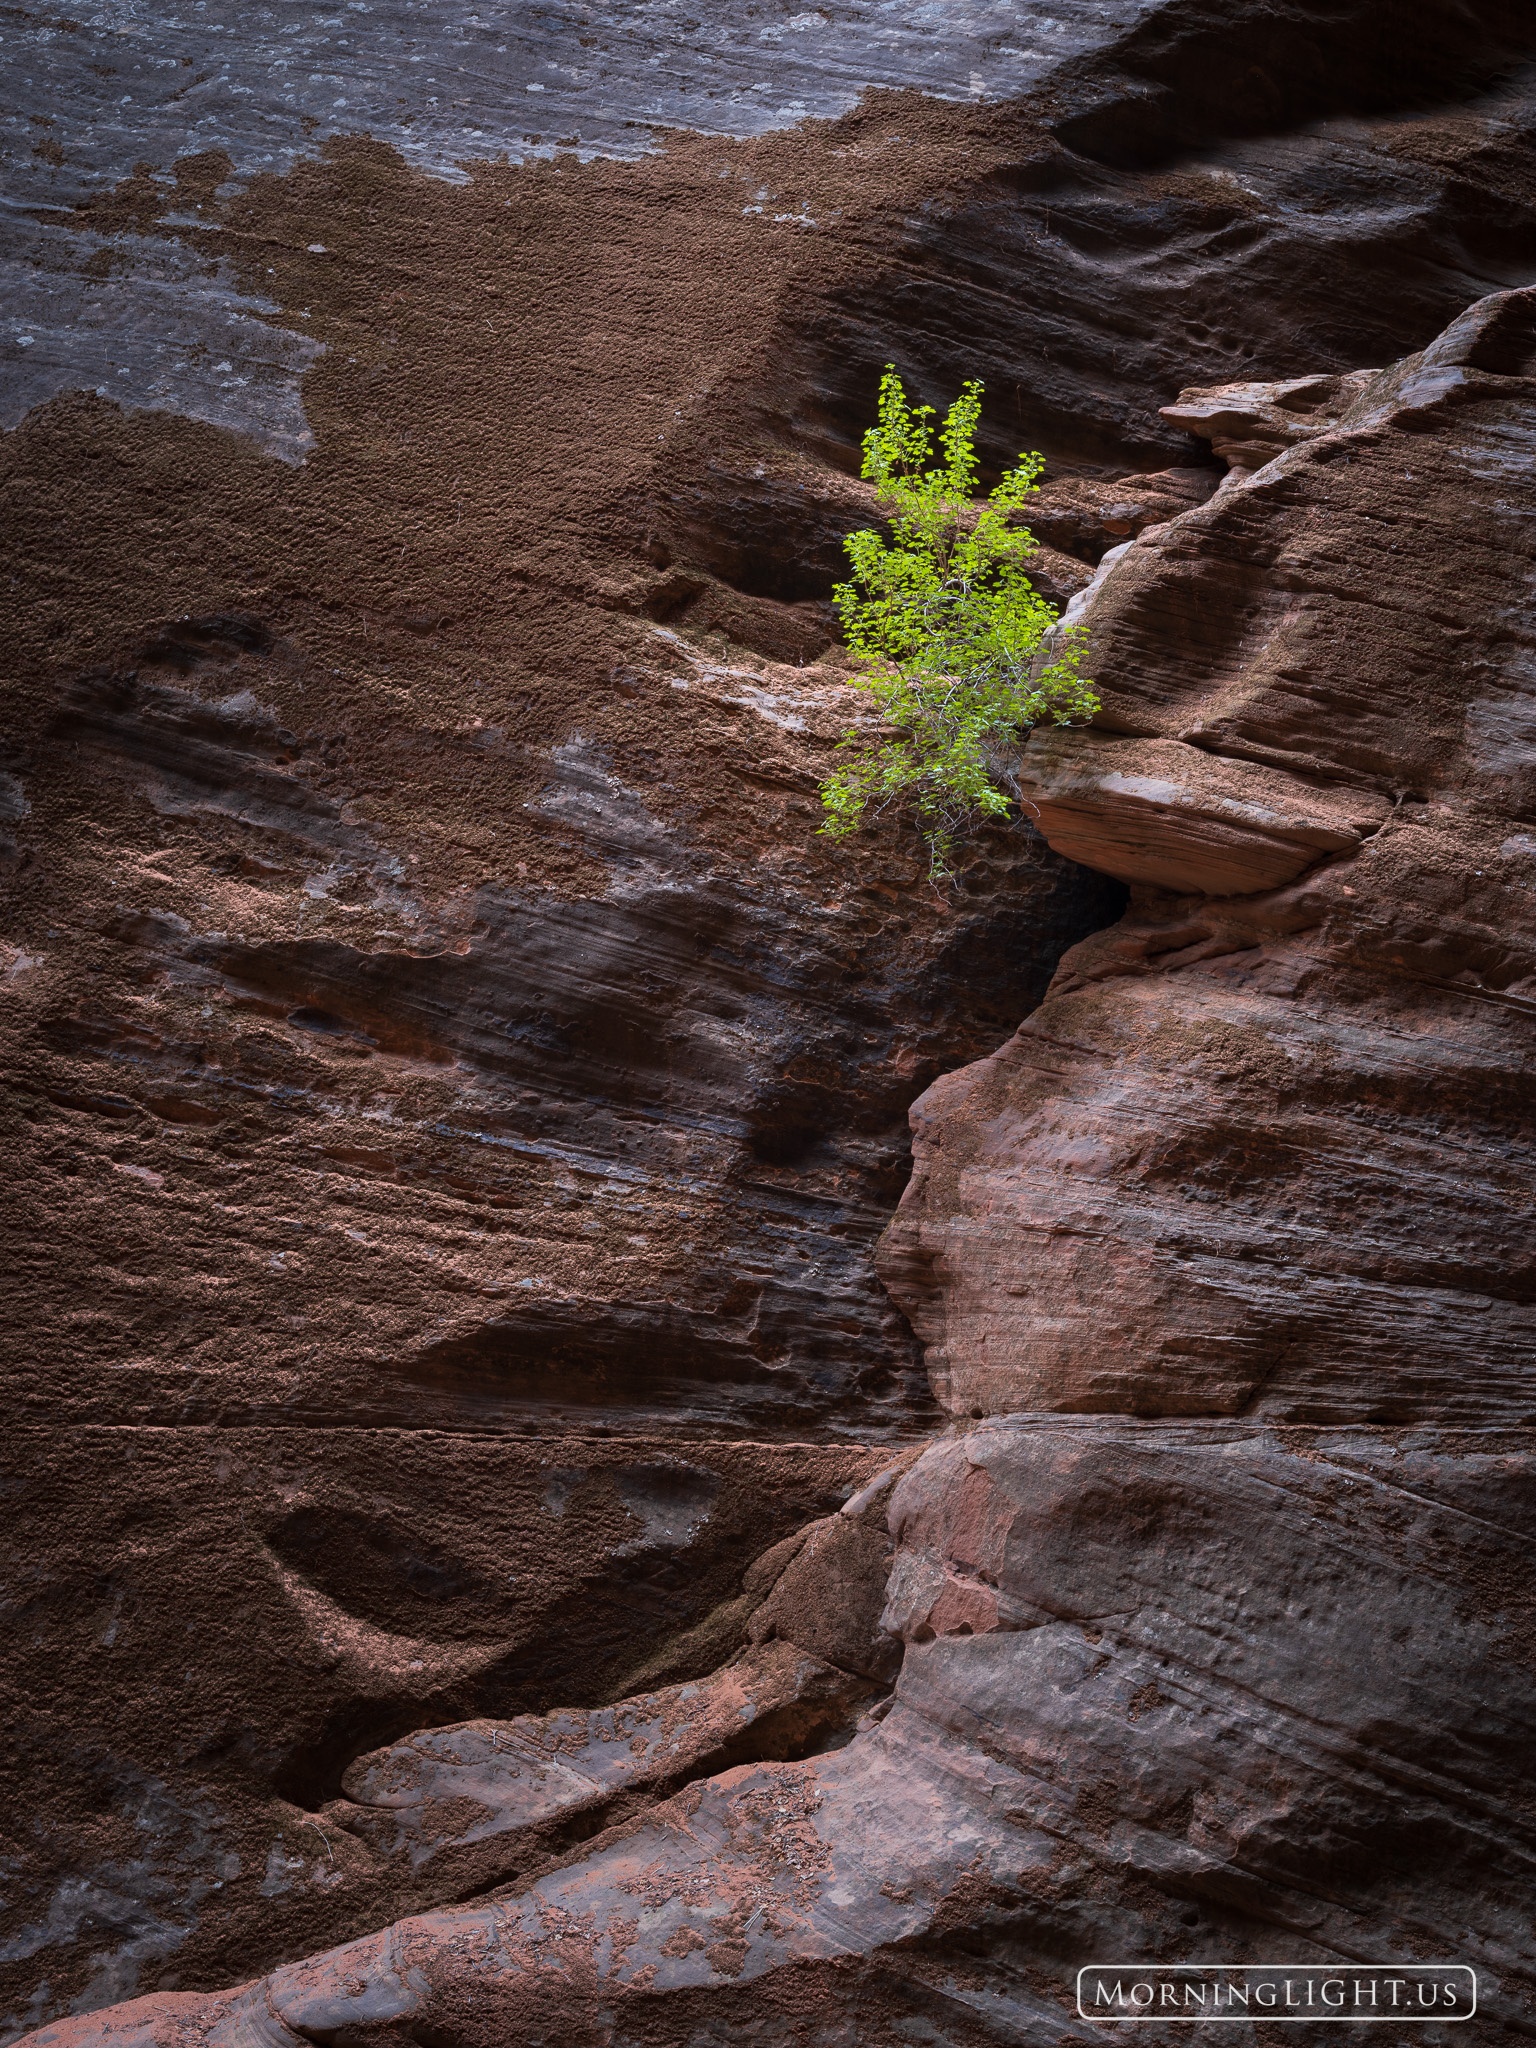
[489,1557]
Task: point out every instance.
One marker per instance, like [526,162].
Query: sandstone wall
[459,1440]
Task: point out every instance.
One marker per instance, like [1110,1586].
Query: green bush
[949,630]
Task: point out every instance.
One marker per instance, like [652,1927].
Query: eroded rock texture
[471,1499]
[1140,1712]
[1271,1150]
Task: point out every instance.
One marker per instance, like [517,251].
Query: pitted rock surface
[456,1095]
[1110,1736]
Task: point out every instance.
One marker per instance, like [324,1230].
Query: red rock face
[1268,1154]
[1141,1713]
[1186,1688]
[471,1493]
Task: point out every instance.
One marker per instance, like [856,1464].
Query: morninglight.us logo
[1350,1992]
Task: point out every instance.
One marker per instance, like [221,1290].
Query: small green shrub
[949,631]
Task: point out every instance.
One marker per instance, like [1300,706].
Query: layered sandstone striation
[491,1561]
[1140,1713]
[1266,1152]
[1221,1614]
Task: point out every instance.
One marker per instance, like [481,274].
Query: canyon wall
[473,1499]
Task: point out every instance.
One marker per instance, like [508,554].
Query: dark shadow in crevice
[1187,77]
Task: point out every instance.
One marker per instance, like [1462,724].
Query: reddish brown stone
[457,1094]
[1268,1155]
